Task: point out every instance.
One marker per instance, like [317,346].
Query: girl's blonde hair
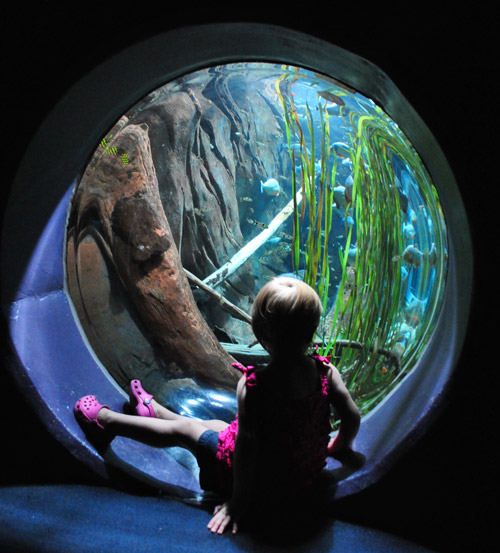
[286,313]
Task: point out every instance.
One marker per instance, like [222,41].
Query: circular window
[200,177]
[225,178]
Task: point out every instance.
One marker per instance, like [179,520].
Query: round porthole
[195,180]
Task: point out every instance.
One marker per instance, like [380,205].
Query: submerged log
[249,249]
[124,202]
[225,304]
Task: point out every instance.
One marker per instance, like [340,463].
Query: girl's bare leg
[176,430]
[157,432]
[166,414]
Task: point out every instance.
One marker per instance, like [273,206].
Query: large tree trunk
[119,196]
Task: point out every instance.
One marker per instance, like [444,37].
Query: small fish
[341,149]
[348,185]
[285,235]
[201,212]
[409,231]
[432,255]
[329,97]
[339,197]
[349,220]
[246,199]
[383,370]
[351,256]
[272,242]
[271,187]
[412,256]
[257,223]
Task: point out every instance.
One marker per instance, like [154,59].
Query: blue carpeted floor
[93,519]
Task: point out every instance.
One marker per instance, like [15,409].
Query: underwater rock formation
[195,178]
[119,206]
[166,195]
[195,165]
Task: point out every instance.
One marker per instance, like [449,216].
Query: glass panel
[221,180]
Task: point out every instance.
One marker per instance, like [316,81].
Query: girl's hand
[346,455]
[222,519]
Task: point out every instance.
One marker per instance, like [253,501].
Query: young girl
[278,443]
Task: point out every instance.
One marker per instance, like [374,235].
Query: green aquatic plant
[377,304]
[369,310]
[317,197]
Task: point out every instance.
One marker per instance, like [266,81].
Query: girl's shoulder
[248,373]
[325,360]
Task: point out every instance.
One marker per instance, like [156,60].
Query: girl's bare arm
[233,510]
[347,410]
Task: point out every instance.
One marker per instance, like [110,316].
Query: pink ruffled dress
[298,434]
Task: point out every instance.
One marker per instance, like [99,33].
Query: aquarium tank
[225,178]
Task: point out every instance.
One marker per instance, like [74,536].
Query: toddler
[278,443]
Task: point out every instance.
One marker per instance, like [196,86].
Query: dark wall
[441,493]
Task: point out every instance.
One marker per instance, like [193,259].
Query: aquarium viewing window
[193,194]
[250,171]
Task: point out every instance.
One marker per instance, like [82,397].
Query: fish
[414,311]
[271,187]
[348,185]
[257,223]
[412,256]
[409,231]
[201,212]
[341,149]
[329,97]
[351,255]
[432,255]
[272,242]
[339,197]
[405,334]
[246,199]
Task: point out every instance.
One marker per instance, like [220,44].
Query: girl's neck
[288,359]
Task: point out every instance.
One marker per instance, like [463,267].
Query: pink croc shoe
[87,408]
[140,400]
